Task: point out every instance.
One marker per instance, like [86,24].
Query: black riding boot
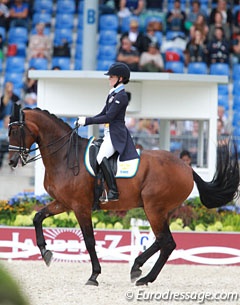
[110,180]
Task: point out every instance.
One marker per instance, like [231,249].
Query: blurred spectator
[236,49]
[176,18]
[19,14]
[151,61]
[220,127]
[186,157]
[30,100]
[218,48]
[7,100]
[56,68]
[192,16]
[128,54]
[223,117]
[218,22]
[62,50]
[200,25]
[154,5]
[1,48]
[196,50]
[40,45]
[149,37]
[30,84]
[130,7]
[143,136]
[4,15]
[222,8]
[106,7]
[133,34]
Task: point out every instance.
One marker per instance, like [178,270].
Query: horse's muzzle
[14,160]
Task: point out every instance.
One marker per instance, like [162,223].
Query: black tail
[224,186]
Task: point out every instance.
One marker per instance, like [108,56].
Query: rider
[116,135]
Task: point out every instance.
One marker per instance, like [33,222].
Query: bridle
[23,151]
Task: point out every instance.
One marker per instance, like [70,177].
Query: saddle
[120,169]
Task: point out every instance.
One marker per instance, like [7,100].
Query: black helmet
[120,69]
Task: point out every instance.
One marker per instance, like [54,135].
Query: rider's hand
[81,120]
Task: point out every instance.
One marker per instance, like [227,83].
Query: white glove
[81,120]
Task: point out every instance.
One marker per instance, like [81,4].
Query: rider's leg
[106,151]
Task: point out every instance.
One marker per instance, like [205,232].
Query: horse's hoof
[135,274]
[142,282]
[92,283]
[48,257]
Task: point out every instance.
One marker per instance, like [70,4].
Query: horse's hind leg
[164,242]
[51,209]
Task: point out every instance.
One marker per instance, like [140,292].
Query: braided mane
[53,116]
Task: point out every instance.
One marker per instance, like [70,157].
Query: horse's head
[21,137]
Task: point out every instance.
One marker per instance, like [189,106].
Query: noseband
[22,150]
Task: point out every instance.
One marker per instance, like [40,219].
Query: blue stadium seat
[219,69]
[159,36]
[80,7]
[17,35]
[64,21]
[63,34]
[170,35]
[106,52]
[236,103]
[43,6]
[175,66]
[1,65]
[78,51]
[236,87]
[151,18]
[66,7]
[223,89]
[62,62]
[108,22]
[3,33]
[79,39]
[103,65]
[223,101]
[45,18]
[39,63]
[80,21]
[197,68]
[236,71]
[108,37]
[78,64]
[15,64]
[15,78]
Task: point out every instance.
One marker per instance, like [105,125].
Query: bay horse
[162,183]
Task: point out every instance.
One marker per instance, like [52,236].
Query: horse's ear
[16,115]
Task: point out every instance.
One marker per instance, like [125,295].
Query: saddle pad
[125,169]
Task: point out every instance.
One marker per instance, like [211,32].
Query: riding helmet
[120,69]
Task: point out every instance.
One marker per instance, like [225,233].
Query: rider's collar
[117,89]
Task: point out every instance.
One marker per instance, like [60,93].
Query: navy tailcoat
[114,114]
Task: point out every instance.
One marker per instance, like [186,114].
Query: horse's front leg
[51,209]
[88,235]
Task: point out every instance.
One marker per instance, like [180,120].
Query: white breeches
[106,149]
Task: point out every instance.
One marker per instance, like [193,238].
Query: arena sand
[63,283]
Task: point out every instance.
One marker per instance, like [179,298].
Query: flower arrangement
[190,216]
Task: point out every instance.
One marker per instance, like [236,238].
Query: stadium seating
[108,37]
[61,35]
[106,52]
[66,7]
[197,68]
[220,69]
[64,21]
[43,6]
[45,18]
[17,35]
[175,66]
[39,63]
[15,64]
[108,22]
[62,62]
